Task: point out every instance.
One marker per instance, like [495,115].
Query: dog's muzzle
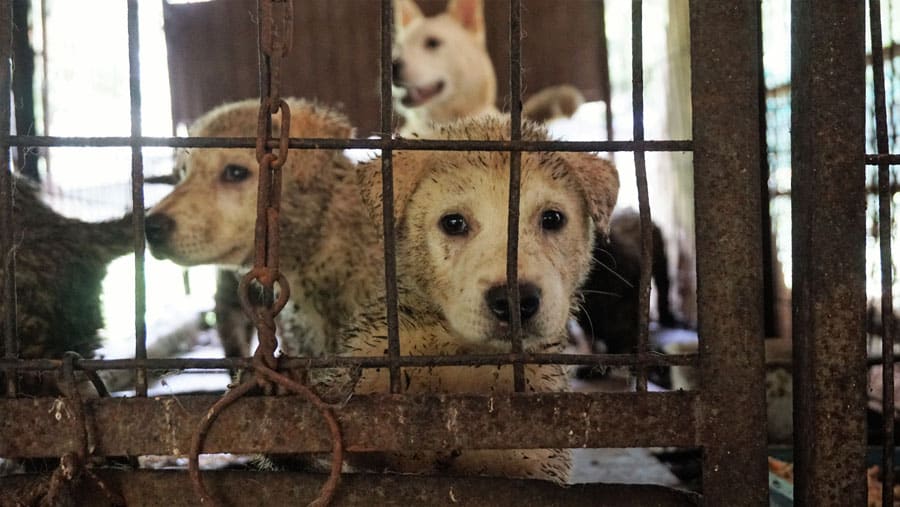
[498,301]
[158,227]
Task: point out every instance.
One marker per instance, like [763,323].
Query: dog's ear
[408,167]
[599,181]
[405,12]
[470,14]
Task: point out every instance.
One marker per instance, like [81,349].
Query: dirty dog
[329,250]
[60,266]
[451,215]
[442,71]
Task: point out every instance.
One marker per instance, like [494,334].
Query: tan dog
[442,71]
[329,249]
[451,215]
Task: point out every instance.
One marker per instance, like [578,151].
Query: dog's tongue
[419,95]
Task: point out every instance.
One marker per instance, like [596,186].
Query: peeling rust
[389,422]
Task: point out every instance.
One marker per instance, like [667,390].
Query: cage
[724,417]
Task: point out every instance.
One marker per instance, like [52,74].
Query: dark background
[335,57]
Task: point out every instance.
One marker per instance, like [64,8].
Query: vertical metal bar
[892,118]
[23,86]
[884,235]
[45,91]
[828,216]
[606,90]
[387,182]
[640,166]
[7,237]
[770,318]
[263,59]
[729,290]
[137,196]
[515,177]
[264,81]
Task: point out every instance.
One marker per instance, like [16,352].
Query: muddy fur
[443,279]
[442,71]
[328,244]
[60,266]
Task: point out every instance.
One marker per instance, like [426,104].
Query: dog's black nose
[157,227]
[397,70]
[529,301]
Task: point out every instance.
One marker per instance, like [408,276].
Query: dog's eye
[454,225]
[432,43]
[552,220]
[234,173]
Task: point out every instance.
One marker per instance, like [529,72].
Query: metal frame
[828,216]
[725,418]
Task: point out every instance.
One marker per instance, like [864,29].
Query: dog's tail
[560,101]
[105,240]
[110,239]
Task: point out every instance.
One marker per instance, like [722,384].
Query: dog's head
[451,212]
[440,63]
[209,217]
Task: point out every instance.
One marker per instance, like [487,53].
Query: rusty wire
[275,34]
[884,236]
[230,363]
[515,181]
[7,227]
[137,196]
[332,143]
[73,465]
[640,169]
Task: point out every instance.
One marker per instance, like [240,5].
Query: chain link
[276,38]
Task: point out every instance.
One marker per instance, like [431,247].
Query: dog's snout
[397,70]
[158,227]
[529,301]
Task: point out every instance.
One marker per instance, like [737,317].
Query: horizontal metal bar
[320,143]
[173,488]
[887,158]
[287,424]
[653,359]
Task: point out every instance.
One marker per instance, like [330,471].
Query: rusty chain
[276,39]
[73,466]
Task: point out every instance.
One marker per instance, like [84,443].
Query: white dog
[442,71]
[451,215]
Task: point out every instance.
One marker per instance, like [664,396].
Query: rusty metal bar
[137,195]
[7,187]
[340,144]
[828,215]
[515,180]
[262,68]
[882,158]
[164,425]
[603,56]
[172,488]
[364,362]
[640,167]
[770,316]
[387,188]
[884,235]
[729,289]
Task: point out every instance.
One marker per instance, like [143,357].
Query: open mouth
[418,95]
